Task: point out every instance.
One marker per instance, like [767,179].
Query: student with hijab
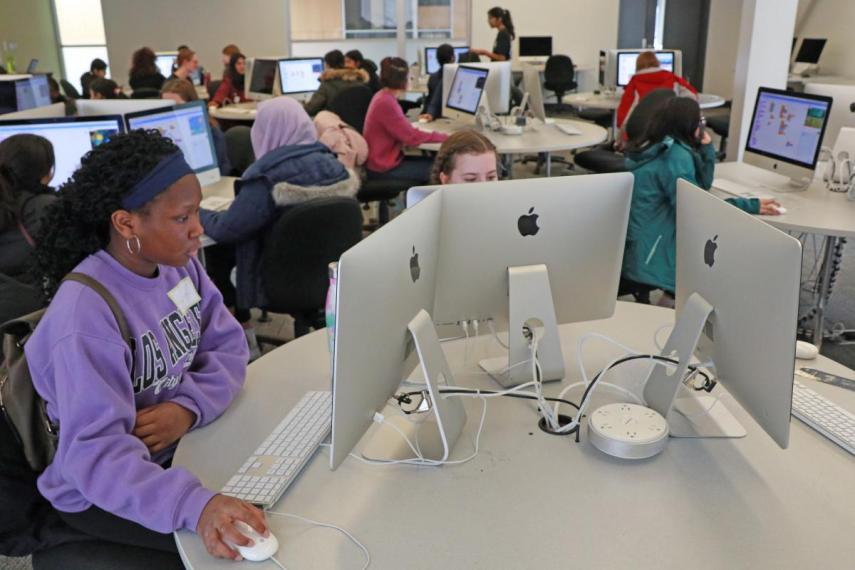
[291,166]
[232,87]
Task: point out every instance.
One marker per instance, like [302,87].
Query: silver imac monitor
[262,78]
[749,272]
[810,50]
[188,127]
[497,88]
[465,92]
[96,107]
[432,65]
[71,137]
[532,86]
[300,75]
[786,133]
[41,90]
[841,114]
[165,62]
[433,258]
[626,64]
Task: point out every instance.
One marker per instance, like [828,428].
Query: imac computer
[626,64]
[71,137]
[535,47]
[262,78]
[300,75]
[465,93]
[165,62]
[497,89]
[532,86]
[431,65]
[841,114]
[542,245]
[188,127]
[40,90]
[786,134]
[96,107]
[808,54]
[737,303]
[54,110]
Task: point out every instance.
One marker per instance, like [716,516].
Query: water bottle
[330,307]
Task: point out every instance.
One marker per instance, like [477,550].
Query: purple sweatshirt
[82,367]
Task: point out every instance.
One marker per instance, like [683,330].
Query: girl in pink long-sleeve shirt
[387,130]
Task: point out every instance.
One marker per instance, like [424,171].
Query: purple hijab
[281,121]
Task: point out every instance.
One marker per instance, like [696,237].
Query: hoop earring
[135,239]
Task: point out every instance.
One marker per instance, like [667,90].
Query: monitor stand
[530,305]
[687,417]
[804,69]
[432,433]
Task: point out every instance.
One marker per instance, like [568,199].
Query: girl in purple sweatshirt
[129,217]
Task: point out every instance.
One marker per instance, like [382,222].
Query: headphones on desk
[838,175]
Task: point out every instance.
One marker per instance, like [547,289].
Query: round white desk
[815,210]
[536,138]
[233,113]
[610,102]
[532,500]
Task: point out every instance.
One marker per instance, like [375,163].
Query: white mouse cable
[352,538]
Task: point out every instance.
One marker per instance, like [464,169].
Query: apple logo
[527,224]
[709,251]
[415,270]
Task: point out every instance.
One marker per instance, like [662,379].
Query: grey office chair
[69,89]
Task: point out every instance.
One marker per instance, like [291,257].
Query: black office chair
[298,249]
[603,158]
[468,57]
[69,89]
[559,76]
[720,125]
[213,85]
[351,105]
[239,148]
[146,93]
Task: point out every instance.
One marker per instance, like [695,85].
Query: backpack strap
[102,291]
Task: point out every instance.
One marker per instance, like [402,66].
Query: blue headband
[161,177]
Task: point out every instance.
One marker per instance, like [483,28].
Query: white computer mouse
[781,210]
[805,350]
[263,548]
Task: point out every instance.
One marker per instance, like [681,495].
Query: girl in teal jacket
[675,146]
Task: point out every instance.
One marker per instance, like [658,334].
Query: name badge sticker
[184,295]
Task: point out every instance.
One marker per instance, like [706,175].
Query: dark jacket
[19,292]
[284,176]
[150,81]
[433,100]
[651,244]
[333,82]
[85,80]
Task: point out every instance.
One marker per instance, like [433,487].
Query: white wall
[579,28]
[30,25]
[722,47]
[258,27]
[832,19]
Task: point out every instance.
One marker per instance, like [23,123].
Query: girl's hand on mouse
[163,424]
[769,207]
[217,530]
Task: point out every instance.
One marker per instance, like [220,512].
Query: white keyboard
[740,191]
[263,478]
[824,416]
[568,129]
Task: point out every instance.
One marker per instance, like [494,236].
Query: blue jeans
[415,168]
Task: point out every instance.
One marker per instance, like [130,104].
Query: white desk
[611,101]
[224,188]
[798,82]
[239,112]
[537,138]
[532,500]
[815,210]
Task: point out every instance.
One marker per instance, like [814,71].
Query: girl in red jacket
[649,77]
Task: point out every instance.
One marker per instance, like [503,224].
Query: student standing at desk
[500,19]
[433,101]
[129,219]
[144,72]
[26,167]
[676,146]
[387,130]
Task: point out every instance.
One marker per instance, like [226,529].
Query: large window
[363,19]
[81,36]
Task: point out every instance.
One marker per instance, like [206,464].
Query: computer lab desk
[815,210]
[533,500]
